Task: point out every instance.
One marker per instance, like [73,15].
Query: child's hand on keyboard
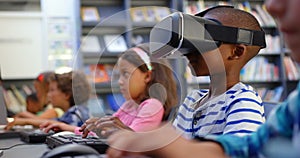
[88,126]
[56,126]
[104,126]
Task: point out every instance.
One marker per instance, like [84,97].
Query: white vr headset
[187,33]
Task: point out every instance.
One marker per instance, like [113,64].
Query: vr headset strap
[242,36]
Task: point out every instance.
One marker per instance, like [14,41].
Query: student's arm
[48,114]
[280,123]
[162,142]
[25,121]
[25,114]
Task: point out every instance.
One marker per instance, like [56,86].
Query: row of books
[100,73]
[15,98]
[260,69]
[257,69]
[138,14]
[270,95]
[259,11]
[149,14]
[291,70]
[96,44]
[273,45]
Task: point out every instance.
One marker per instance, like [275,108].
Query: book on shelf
[97,73]
[90,44]
[260,69]
[18,94]
[149,13]
[12,102]
[27,90]
[270,95]
[89,14]
[115,43]
[264,15]
[290,68]
[161,12]
[273,45]
[138,14]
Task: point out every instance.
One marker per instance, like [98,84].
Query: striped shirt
[278,137]
[239,111]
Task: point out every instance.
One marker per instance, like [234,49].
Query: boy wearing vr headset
[229,106]
[278,137]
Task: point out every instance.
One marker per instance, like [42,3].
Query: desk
[27,150]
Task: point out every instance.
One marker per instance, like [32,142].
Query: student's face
[56,96]
[132,80]
[207,63]
[33,106]
[287,14]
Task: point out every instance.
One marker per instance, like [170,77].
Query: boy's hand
[11,124]
[56,126]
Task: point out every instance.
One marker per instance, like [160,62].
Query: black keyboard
[98,144]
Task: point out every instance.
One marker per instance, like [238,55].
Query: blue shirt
[76,115]
[238,111]
[278,137]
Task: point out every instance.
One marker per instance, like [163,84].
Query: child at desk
[69,91]
[150,92]
[228,106]
[42,108]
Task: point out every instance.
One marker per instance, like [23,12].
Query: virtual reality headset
[187,33]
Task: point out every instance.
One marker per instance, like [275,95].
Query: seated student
[149,90]
[44,108]
[278,137]
[33,104]
[228,106]
[70,92]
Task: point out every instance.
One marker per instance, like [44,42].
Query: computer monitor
[3,111]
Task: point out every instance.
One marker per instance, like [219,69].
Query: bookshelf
[36,36]
[116,26]
[272,73]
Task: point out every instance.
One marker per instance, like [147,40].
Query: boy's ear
[237,52]
[67,96]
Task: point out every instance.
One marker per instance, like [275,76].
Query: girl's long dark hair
[161,74]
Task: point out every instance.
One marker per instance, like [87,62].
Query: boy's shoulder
[241,89]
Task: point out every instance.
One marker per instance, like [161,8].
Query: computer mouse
[70,150]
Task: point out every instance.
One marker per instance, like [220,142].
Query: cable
[13,146]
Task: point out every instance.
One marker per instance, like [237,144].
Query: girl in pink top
[149,89]
[150,92]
